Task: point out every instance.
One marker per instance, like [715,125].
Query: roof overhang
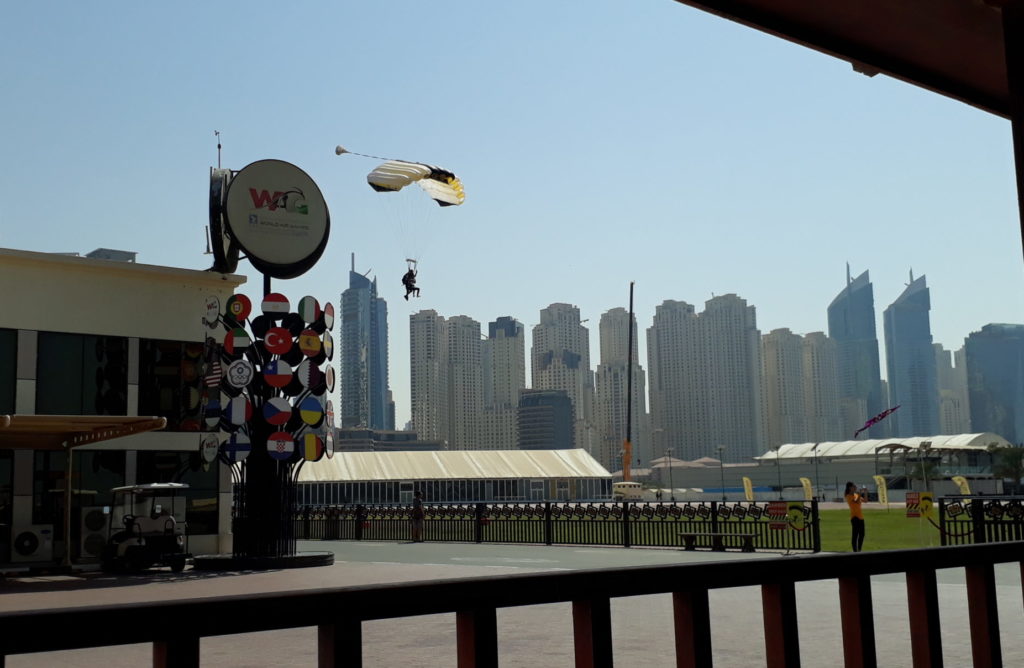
[951,47]
[60,432]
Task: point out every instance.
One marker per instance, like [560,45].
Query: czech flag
[280,445]
[277,411]
[236,448]
[277,373]
[311,411]
[312,447]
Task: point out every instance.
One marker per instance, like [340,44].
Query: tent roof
[952,47]
[453,465]
[977,442]
[57,432]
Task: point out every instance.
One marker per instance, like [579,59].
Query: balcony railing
[176,627]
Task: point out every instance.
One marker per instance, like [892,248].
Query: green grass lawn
[883,530]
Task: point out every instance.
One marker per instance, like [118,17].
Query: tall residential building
[995,380]
[821,389]
[363,366]
[910,362]
[705,379]
[428,375]
[951,376]
[782,394]
[465,382]
[851,324]
[545,420]
[610,391]
[503,358]
[560,360]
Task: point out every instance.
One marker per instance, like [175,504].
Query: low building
[377,440]
[454,476]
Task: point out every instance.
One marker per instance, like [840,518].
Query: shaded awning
[59,432]
[951,47]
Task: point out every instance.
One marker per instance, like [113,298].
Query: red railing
[175,627]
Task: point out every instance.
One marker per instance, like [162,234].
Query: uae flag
[236,448]
[236,340]
[312,447]
[239,410]
[277,373]
[277,411]
[275,305]
[280,445]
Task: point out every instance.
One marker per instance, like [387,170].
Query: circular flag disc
[238,411]
[239,374]
[238,307]
[209,445]
[312,447]
[275,305]
[277,411]
[278,341]
[311,411]
[329,315]
[330,378]
[309,375]
[330,414]
[280,445]
[329,443]
[309,310]
[277,373]
[309,343]
[328,345]
[236,448]
[236,340]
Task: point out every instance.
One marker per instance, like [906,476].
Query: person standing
[417,517]
[855,499]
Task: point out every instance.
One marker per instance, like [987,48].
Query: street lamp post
[671,486]
[778,470]
[817,487]
[721,468]
[925,446]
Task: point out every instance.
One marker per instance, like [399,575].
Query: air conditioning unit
[32,542]
[94,532]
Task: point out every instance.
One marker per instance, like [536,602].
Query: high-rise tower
[560,360]
[910,362]
[428,375]
[995,380]
[363,364]
[610,386]
[503,358]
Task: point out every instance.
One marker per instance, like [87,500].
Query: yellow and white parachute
[391,176]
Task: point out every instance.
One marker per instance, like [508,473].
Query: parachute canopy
[443,186]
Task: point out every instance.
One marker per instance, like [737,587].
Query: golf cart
[146,528]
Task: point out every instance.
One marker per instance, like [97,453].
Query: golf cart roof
[151,488]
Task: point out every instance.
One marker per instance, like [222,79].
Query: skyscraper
[954,406]
[705,378]
[428,375]
[851,324]
[995,380]
[910,362]
[821,388]
[783,397]
[610,392]
[544,420]
[503,357]
[464,396]
[363,365]
[560,360]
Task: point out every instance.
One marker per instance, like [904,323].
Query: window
[81,374]
[171,383]
[8,370]
[201,495]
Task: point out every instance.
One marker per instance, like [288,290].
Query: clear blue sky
[599,142]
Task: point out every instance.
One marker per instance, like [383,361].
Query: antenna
[216,133]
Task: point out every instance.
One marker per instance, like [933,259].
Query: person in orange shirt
[854,499]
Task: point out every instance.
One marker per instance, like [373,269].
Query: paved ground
[536,636]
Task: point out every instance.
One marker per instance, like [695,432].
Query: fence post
[942,521]
[978,520]
[478,525]
[625,523]
[548,526]
[815,527]
[714,517]
[360,516]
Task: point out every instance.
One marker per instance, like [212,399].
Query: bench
[717,544]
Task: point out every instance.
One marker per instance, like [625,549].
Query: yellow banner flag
[808,490]
[927,505]
[883,491]
[961,482]
[748,489]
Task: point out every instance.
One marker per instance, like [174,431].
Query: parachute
[442,185]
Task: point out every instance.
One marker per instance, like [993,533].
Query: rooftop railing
[176,627]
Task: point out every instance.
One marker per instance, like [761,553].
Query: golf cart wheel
[178,565]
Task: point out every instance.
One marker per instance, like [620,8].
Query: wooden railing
[175,627]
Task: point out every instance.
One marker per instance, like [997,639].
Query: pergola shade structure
[60,432]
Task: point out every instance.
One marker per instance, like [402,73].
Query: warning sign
[777,515]
[913,504]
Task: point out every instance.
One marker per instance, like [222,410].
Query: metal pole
[627,449]
[817,486]
[778,470]
[721,468]
[671,485]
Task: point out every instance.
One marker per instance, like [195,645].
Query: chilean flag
[275,305]
[280,445]
[277,373]
[277,411]
[238,411]
[236,448]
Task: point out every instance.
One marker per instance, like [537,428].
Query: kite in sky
[875,420]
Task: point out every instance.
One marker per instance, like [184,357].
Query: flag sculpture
[875,420]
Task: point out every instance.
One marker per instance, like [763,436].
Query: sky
[599,143]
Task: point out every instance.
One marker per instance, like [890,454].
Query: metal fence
[788,526]
[980,519]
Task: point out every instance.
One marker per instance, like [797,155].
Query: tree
[1008,463]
